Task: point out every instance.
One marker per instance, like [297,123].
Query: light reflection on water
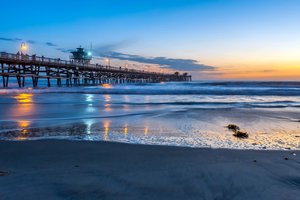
[89,97]
[107,86]
[24,107]
[126,100]
[107,105]
[24,98]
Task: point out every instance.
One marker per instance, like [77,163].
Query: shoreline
[62,169]
[149,144]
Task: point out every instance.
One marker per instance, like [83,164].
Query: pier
[20,67]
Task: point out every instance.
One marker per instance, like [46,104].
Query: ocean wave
[162,91]
[183,104]
[188,88]
[280,84]
[211,103]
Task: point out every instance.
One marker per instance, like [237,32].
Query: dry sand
[56,169]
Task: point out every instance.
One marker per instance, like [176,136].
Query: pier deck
[73,73]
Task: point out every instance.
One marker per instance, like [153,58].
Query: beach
[151,141]
[57,169]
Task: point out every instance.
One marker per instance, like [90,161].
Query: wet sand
[57,169]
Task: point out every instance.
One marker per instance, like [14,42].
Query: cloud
[97,49]
[10,39]
[171,63]
[112,47]
[268,71]
[110,51]
[64,50]
[31,41]
[50,44]
[28,41]
[17,40]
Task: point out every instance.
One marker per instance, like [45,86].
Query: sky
[210,39]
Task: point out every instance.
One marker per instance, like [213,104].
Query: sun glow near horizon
[260,73]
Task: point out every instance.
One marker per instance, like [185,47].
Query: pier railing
[59,62]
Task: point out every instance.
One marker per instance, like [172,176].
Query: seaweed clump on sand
[241,134]
[3,173]
[233,127]
[237,132]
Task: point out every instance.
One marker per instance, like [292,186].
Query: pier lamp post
[108,61]
[89,56]
[23,48]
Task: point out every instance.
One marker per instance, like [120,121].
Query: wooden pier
[70,73]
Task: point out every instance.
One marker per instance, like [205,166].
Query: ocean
[193,114]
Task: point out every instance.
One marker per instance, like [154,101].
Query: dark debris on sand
[241,134]
[233,127]
[4,173]
[237,132]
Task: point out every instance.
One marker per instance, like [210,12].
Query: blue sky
[212,39]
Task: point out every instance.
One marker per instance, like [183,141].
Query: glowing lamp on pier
[108,61]
[23,47]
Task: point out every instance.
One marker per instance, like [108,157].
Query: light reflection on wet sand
[146,129]
[106,125]
[23,125]
[89,124]
[125,130]
[193,135]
